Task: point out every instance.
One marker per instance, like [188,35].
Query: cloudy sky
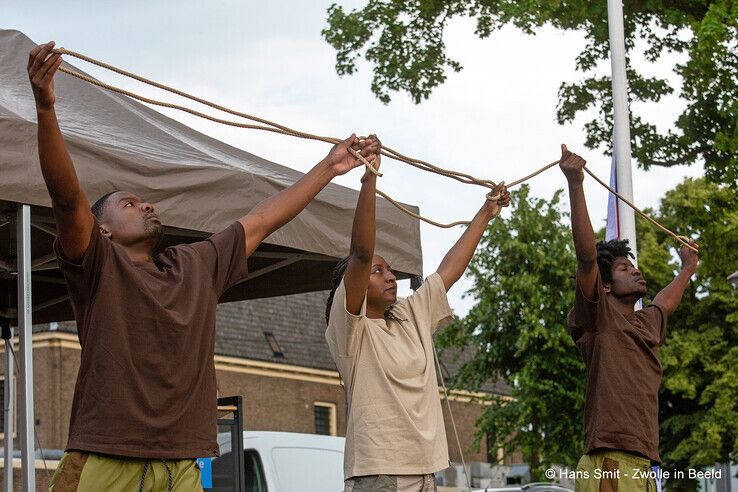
[495,119]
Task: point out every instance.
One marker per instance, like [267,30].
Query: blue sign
[206,472]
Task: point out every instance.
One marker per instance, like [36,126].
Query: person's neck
[625,305]
[375,312]
[140,253]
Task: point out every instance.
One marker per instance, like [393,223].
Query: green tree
[403,39]
[517,332]
[699,393]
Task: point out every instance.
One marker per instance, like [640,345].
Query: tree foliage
[699,393]
[517,332]
[403,40]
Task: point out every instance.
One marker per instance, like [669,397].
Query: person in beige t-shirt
[383,348]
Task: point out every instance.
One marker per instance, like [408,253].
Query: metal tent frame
[25,364]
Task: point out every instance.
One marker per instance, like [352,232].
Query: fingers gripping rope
[270,126]
[369,165]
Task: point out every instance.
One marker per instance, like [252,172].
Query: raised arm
[277,210]
[458,257]
[363,233]
[584,239]
[74,221]
[670,296]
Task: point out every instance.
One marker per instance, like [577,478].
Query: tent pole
[28,451]
[8,408]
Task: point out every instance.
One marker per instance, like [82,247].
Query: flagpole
[621,122]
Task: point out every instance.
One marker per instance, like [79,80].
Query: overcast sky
[495,119]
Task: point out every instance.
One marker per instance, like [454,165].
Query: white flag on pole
[612,229]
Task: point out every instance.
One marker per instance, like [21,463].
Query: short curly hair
[98,208]
[607,252]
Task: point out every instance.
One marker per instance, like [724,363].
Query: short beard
[154,233]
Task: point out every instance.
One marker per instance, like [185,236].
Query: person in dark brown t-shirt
[146,320]
[618,344]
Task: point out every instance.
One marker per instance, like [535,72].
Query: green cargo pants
[614,471]
[88,472]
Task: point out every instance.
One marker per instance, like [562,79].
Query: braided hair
[338,272]
[607,252]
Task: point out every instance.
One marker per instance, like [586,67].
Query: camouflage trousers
[391,483]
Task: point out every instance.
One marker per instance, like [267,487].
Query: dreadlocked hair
[338,272]
[98,208]
[607,251]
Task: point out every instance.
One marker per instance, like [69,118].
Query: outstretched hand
[572,165]
[689,257]
[41,70]
[341,160]
[500,198]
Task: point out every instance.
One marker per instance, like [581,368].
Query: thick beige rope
[681,239]
[267,125]
[275,127]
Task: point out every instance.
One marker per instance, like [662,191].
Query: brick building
[270,351]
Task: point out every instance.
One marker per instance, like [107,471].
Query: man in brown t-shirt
[619,346]
[144,403]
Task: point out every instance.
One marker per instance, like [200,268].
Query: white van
[282,462]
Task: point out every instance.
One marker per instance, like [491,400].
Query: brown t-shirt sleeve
[584,316]
[224,254]
[654,316]
[83,277]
